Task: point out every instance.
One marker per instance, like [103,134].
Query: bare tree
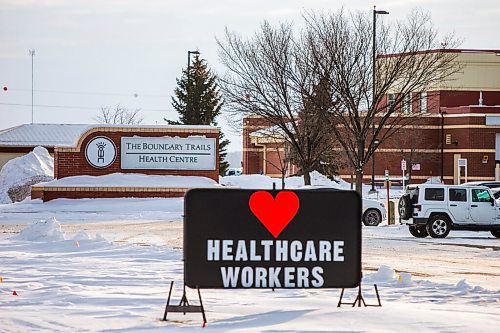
[119,115]
[270,75]
[411,59]
[410,148]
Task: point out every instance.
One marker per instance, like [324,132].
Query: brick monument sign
[150,150]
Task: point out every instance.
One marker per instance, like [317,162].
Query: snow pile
[462,285]
[134,180]
[404,279]
[384,274]
[266,182]
[44,230]
[50,231]
[342,183]
[250,181]
[82,236]
[433,180]
[18,174]
[388,276]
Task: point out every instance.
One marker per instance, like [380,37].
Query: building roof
[65,135]
[47,135]
[478,51]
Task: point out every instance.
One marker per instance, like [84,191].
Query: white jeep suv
[434,209]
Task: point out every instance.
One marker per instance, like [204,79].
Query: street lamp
[32,55]
[189,56]
[189,77]
[375,141]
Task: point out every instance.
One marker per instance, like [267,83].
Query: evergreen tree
[197,100]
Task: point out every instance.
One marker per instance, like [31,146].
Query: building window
[422,102]
[390,101]
[406,105]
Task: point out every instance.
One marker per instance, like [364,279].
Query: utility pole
[32,54]
[374,59]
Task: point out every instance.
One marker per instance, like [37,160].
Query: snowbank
[50,231]
[18,174]
[386,275]
[134,180]
[433,180]
[44,230]
[266,182]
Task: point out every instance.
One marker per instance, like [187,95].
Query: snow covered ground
[108,264]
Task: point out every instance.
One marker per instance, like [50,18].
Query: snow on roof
[63,135]
[47,135]
[271,131]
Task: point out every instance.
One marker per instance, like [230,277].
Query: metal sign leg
[184,305]
[359,298]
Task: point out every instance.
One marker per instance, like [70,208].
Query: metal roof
[67,135]
[47,135]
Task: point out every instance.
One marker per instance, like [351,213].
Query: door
[458,205]
[481,209]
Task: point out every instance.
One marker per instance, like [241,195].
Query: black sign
[272,239]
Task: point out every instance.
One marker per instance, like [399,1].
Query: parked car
[435,210]
[496,193]
[490,184]
[233,172]
[373,213]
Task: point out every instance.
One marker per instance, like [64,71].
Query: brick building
[459,120]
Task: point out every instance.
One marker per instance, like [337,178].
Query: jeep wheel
[496,233]
[372,217]
[418,231]
[405,207]
[439,226]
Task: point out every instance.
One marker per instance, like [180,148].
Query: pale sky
[95,53]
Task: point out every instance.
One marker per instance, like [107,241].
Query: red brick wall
[453,98]
[465,136]
[50,195]
[473,141]
[73,163]
[253,156]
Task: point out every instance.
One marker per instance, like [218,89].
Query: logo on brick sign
[100,152]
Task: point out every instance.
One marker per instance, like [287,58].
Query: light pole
[189,78]
[375,141]
[32,54]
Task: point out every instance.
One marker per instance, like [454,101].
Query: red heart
[274,214]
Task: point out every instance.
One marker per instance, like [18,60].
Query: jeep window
[458,194]
[480,195]
[434,194]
